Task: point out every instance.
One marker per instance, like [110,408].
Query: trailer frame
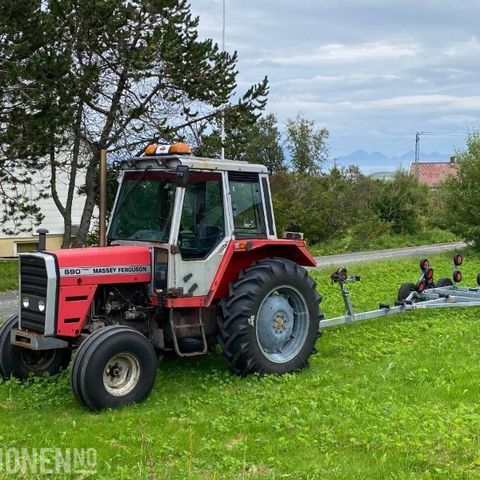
[429,298]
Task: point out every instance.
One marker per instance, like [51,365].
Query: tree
[80,75]
[306,144]
[461,194]
[17,212]
[265,144]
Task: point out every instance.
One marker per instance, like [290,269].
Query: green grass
[8,275]
[393,398]
[357,243]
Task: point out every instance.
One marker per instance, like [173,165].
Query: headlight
[25,302]
[41,305]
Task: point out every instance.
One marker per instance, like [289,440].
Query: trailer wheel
[424,264]
[445,282]
[114,366]
[21,362]
[270,320]
[405,290]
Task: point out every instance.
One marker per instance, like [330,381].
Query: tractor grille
[33,284]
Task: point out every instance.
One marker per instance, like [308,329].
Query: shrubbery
[351,210]
[459,197]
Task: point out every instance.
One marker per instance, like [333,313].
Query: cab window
[248,218]
[202,225]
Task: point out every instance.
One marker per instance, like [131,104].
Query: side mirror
[182,175]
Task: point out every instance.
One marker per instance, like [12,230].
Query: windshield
[144,207]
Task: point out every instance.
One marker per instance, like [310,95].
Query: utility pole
[417,147]
[222,118]
[102,217]
[417,152]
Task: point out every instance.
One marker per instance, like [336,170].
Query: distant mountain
[370,162]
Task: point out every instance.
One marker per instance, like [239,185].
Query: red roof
[434,173]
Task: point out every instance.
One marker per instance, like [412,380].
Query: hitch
[341,277]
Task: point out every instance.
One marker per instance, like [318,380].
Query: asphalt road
[8,304]
[9,300]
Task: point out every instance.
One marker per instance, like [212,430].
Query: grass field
[8,275]
[394,398]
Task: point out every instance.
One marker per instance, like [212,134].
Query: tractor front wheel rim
[38,360]
[121,374]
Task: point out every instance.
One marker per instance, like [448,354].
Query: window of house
[26,247]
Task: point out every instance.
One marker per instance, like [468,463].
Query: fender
[240,254]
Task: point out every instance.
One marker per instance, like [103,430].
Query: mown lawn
[394,398]
[8,275]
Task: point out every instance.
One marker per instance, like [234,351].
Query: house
[433,174]
[20,242]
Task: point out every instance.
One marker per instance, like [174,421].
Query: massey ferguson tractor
[192,259]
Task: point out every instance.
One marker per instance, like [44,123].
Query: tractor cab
[188,209]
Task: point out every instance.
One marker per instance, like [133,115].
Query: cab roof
[195,163]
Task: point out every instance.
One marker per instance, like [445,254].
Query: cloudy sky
[372,71]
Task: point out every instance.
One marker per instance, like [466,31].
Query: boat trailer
[424,294]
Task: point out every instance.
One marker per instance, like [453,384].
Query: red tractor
[192,258]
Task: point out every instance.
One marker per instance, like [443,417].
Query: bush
[322,206]
[399,202]
[461,195]
[352,210]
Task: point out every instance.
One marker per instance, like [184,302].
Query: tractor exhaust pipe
[42,239]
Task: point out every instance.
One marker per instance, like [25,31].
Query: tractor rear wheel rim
[121,374]
[282,324]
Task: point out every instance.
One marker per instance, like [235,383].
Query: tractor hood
[100,265]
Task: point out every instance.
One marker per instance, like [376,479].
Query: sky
[373,72]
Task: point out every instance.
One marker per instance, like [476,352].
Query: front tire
[270,321]
[21,362]
[114,366]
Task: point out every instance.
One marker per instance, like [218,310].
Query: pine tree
[80,75]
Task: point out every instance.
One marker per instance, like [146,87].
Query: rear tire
[270,320]
[21,362]
[114,366]
[405,290]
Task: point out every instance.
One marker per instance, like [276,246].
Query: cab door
[202,234]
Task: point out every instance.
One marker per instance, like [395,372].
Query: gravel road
[340,260]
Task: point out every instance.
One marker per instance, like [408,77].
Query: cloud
[337,52]
[372,71]
[352,78]
[441,102]
[463,49]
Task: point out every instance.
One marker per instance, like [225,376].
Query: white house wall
[53,220]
